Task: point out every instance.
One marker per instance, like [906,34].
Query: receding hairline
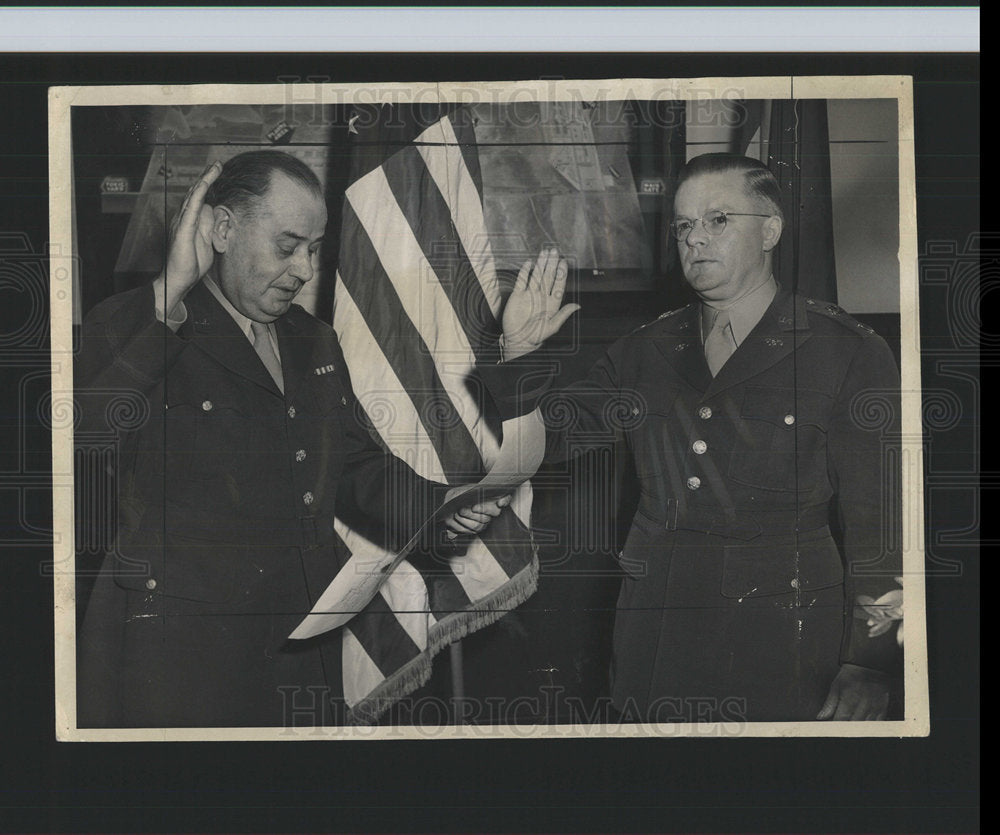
[757,178]
[247,179]
[258,200]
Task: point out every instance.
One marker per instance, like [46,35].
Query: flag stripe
[479,572]
[445,593]
[422,298]
[425,212]
[381,391]
[376,300]
[507,537]
[406,595]
[364,675]
[451,169]
[463,127]
[382,637]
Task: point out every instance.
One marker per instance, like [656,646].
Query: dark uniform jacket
[767,505]
[227,491]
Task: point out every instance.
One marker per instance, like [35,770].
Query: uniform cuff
[517,386]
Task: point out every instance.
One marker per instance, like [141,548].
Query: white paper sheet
[520,455]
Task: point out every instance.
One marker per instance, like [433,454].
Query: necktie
[262,344]
[719,344]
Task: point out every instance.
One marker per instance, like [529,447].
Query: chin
[702,283]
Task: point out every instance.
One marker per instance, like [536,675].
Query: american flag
[416,305]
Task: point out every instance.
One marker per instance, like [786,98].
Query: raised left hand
[857,694]
[473,519]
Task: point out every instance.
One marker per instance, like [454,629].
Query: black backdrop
[707,785]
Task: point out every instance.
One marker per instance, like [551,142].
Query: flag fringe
[417,672]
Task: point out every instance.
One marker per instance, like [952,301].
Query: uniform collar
[744,313]
[242,322]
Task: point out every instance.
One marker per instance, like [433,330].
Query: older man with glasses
[761,425]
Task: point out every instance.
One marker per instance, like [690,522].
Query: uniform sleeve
[125,352]
[380,496]
[864,464]
[584,415]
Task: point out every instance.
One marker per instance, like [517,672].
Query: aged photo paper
[587,167]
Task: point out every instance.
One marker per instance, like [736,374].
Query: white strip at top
[566,29]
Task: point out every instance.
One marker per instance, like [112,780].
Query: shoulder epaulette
[837,314]
[661,317]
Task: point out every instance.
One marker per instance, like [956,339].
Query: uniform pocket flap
[786,407]
[760,570]
[188,568]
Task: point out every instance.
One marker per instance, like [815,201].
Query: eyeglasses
[714,223]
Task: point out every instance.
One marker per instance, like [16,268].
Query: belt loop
[671,523]
[308,532]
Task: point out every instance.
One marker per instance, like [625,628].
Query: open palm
[534,309]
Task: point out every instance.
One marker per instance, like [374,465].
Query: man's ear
[222,228]
[772,232]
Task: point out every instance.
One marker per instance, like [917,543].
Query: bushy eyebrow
[296,237]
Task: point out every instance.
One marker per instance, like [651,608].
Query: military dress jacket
[768,501]
[227,490]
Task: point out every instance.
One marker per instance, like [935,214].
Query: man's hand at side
[534,308]
[857,693]
[190,254]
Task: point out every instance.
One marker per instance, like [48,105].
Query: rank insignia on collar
[323,369]
[774,343]
[680,346]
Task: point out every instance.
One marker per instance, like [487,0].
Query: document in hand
[520,455]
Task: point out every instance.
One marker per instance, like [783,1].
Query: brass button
[151,584]
[343,401]
[704,413]
[300,455]
[795,583]
[789,420]
[206,405]
[307,498]
[699,447]
[693,483]
[291,411]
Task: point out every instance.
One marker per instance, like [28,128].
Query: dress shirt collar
[242,321]
[744,313]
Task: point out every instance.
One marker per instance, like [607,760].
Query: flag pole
[457,679]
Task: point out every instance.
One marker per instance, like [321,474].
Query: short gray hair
[759,181]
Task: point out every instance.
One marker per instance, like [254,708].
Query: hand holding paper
[358,581]
[475,518]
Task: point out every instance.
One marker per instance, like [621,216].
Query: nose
[697,236]
[302,266]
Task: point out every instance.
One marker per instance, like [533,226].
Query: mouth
[289,290]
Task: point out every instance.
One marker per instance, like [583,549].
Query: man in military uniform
[243,444]
[759,423]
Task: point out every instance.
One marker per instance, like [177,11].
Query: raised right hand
[190,253]
[534,309]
